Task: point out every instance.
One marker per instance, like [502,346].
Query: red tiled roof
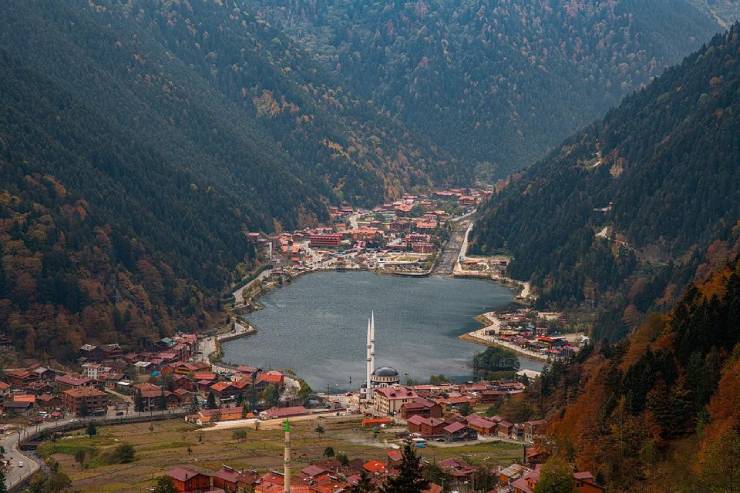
[475,420]
[374,466]
[313,470]
[220,386]
[183,473]
[204,376]
[454,427]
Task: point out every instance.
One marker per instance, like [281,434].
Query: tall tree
[556,477]
[409,478]
[364,484]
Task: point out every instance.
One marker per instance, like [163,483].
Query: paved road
[17,473]
[451,250]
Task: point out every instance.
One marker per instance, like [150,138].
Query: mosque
[383,376]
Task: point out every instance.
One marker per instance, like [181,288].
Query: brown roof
[84,392]
[183,473]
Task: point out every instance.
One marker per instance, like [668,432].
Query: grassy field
[172,443]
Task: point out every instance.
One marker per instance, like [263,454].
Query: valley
[420,246]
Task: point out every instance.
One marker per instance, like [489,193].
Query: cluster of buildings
[400,236]
[109,379]
[41,393]
[334,476]
[329,476]
[437,411]
[536,334]
[517,478]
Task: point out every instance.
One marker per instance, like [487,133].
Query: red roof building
[187,480]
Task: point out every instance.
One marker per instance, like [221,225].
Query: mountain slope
[140,140]
[496,82]
[618,213]
[660,411]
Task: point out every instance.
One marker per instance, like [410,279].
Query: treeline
[495,82]
[139,141]
[661,408]
[621,215]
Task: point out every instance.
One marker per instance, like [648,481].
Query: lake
[317,327]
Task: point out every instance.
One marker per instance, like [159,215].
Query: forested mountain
[660,411]
[621,213]
[496,82]
[725,12]
[139,140]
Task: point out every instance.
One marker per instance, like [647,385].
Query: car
[119,413]
[20,463]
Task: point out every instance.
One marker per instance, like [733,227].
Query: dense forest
[622,213]
[659,411]
[140,140]
[497,82]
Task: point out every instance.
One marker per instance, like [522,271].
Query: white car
[20,463]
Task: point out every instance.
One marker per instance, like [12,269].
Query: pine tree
[409,478]
[364,484]
[164,485]
[211,401]
[3,488]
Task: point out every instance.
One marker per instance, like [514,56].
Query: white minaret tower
[372,342]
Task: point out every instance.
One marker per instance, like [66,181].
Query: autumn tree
[556,477]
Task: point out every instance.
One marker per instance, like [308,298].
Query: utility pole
[286,458]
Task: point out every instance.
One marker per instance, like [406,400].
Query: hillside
[496,83]
[140,140]
[620,213]
[660,411]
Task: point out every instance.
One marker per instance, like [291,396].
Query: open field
[168,443]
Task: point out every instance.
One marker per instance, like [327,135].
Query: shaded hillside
[140,140]
[661,411]
[496,82]
[617,215]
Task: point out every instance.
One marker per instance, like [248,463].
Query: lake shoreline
[406,285]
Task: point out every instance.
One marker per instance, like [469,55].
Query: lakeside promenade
[481,336]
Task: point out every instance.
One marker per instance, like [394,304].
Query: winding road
[22,466]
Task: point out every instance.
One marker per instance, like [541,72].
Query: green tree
[3,488]
[164,485]
[271,395]
[438,379]
[162,404]
[122,454]
[465,409]
[239,435]
[91,429]
[556,477]
[80,456]
[319,430]
[364,484]
[138,402]
[342,458]
[211,401]
[329,452]
[409,478]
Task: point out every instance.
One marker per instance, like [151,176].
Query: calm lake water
[317,326]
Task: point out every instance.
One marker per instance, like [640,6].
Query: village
[111,384]
[404,237]
[532,333]
[180,377]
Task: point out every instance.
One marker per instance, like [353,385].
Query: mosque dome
[385,371]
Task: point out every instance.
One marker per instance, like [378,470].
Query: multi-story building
[84,400]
